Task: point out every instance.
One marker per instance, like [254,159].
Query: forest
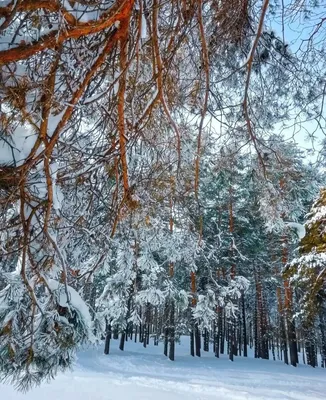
[162,174]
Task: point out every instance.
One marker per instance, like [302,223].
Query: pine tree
[307,273]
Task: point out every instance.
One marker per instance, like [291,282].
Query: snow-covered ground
[145,374]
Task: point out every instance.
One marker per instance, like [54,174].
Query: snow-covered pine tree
[307,275]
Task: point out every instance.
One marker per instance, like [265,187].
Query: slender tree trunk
[206,340]
[292,343]
[122,341]
[127,332]
[311,352]
[107,339]
[148,323]
[172,331]
[217,338]
[197,340]
[255,335]
[140,326]
[166,329]
[192,342]
[239,338]
[222,334]
[156,328]
[322,326]
[116,333]
[144,334]
[244,327]
[230,341]
[283,340]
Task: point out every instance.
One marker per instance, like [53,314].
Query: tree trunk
[144,335]
[217,339]
[166,329]
[116,333]
[255,333]
[122,341]
[206,340]
[292,343]
[172,331]
[322,326]
[230,341]
[244,327]
[222,332]
[107,339]
[197,340]
[192,343]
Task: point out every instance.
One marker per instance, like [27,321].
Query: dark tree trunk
[166,341]
[156,337]
[206,340]
[107,339]
[244,327]
[144,335]
[255,327]
[311,353]
[122,341]
[261,320]
[172,331]
[166,329]
[217,339]
[140,326]
[140,333]
[222,331]
[116,333]
[322,327]
[239,341]
[232,338]
[230,341]
[310,344]
[197,340]
[292,343]
[192,343]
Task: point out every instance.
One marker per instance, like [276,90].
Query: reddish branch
[249,70]
[118,12]
[160,87]
[124,27]
[205,104]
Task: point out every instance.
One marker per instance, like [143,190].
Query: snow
[14,149]
[74,300]
[299,228]
[145,374]
[317,214]
[143,34]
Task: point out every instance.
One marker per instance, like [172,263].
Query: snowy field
[145,374]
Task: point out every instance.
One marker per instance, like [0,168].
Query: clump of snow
[57,192]
[299,228]
[74,300]
[14,149]
[143,34]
